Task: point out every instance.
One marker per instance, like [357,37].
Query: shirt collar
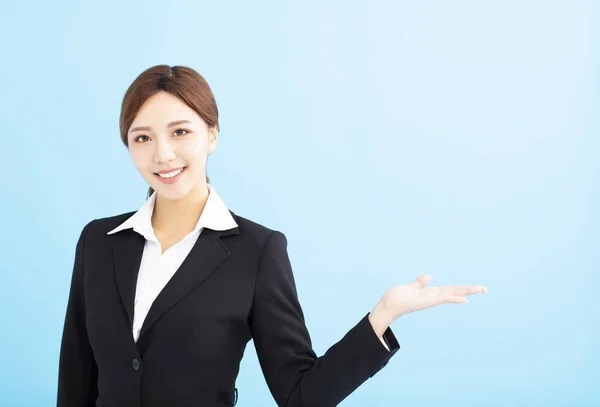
[215,216]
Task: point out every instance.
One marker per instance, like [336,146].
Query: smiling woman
[164,300]
[163,92]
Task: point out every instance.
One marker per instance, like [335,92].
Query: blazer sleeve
[296,377]
[77,372]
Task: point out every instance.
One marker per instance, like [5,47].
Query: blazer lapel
[127,257]
[206,255]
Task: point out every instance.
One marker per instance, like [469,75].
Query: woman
[164,300]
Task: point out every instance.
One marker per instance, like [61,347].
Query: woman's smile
[170,177]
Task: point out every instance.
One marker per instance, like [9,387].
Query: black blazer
[234,286]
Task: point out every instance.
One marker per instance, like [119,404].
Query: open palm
[402,299]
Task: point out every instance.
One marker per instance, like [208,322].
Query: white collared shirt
[156,269]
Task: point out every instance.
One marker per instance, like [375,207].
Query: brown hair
[183,82]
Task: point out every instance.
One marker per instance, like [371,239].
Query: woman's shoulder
[251,226]
[103,225]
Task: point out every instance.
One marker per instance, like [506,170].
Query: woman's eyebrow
[175,123]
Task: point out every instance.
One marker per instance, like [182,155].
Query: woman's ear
[213,137]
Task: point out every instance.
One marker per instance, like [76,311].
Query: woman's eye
[176,132]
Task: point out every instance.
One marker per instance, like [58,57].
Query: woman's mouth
[171,177]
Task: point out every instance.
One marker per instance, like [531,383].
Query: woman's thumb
[421,281]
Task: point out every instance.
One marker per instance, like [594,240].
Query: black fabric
[233,287]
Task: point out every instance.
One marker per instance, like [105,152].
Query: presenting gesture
[402,299]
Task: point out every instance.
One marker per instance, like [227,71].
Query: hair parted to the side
[183,82]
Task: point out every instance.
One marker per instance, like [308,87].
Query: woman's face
[167,134]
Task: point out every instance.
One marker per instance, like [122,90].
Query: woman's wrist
[380,318]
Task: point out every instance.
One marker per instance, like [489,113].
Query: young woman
[164,300]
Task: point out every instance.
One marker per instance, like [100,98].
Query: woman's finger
[421,281]
[462,290]
[453,299]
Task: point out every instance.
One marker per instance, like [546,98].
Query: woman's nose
[164,151]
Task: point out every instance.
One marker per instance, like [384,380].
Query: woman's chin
[171,192]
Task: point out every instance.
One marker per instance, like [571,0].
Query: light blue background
[385,139]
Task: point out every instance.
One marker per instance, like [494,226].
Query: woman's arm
[295,375]
[77,372]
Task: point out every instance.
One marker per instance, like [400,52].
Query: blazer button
[135,363]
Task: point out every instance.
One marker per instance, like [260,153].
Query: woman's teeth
[170,174]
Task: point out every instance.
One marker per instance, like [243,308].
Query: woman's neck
[172,217]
